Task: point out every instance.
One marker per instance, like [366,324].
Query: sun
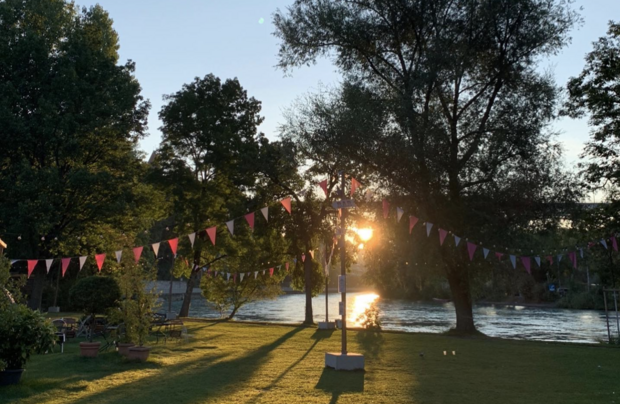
[364,234]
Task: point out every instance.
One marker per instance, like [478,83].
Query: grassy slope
[241,363]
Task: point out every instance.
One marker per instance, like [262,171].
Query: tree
[70,120]
[207,159]
[446,107]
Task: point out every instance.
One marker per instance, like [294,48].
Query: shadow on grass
[371,342]
[340,382]
[191,381]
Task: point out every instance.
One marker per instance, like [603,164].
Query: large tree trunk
[38,284]
[458,278]
[309,319]
[191,284]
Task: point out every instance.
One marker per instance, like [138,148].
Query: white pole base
[327,325]
[350,361]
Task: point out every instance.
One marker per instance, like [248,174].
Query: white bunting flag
[513,260]
[227,276]
[155,248]
[485,251]
[241,275]
[119,254]
[368,195]
[255,273]
[399,213]
[604,242]
[231,226]
[13,261]
[457,240]
[581,252]
[192,238]
[537,259]
[429,226]
[559,258]
[48,264]
[82,261]
[264,271]
[265,212]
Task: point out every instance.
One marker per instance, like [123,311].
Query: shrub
[94,295]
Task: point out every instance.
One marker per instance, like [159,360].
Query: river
[514,322]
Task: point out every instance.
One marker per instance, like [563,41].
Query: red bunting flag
[386,209]
[499,255]
[286,202]
[212,232]
[550,259]
[270,272]
[471,249]
[137,252]
[527,264]
[99,258]
[303,257]
[442,236]
[65,264]
[572,256]
[412,222]
[355,184]
[235,278]
[31,265]
[250,219]
[287,267]
[173,245]
[323,185]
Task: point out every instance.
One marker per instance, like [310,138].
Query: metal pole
[343,273]
[616,307]
[606,315]
[57,285]
[326,300]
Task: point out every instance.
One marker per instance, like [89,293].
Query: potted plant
[141,309]
[94,295]
[22,333]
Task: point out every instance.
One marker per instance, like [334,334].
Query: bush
[95,295]
[582,301]
[22,333]
[370,318]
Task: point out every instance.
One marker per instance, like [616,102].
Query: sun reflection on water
[360,304]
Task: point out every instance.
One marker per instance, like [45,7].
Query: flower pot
[10,376]
[89,349]
[123,348]
[139,353]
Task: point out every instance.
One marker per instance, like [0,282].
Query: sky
[172,42]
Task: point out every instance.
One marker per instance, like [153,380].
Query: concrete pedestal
[327,325]
[350,361]
[54,309]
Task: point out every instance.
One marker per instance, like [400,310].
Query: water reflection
[516,322]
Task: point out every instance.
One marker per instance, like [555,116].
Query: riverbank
[243,363]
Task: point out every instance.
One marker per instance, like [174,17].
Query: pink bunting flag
[499,256]
[31,265]
[287,265]
[471,249]
[212,232]
[137,252]
[442,236]
[99,258]
[355,184]
[303,257]
[527,264]
[173,245]
[412,222]
[550,259]
[235,278]
[572,256]
[323,185]
[614,243]
[250,219]
[65,264]
[386,209]
[270,272]
[286,202]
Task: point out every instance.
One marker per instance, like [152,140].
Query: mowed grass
[244,363]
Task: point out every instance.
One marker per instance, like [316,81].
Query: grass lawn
[243,363]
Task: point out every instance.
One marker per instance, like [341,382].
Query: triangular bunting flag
[604,242]
[270,272]
[429,226]
[250,219]
[137,252]
[65,264]
[31,265]
[231,227]
[614,244]
[119,254]
[537,259]
[99,258]
[241,276]
[82,261]
[255,273]
[457,240]
[312,253]
[559,258]
[286,265]
[412,222]
[399,213]
[386,209]
[174,242]
[368,195]
[499,256]
[48,264]
[323,185]
[212,232]
[471,249]
[13,262]
[227,276]
[581,252]
[526,263]
[442,236]
[513,261]
[354,185]
[573,258]
[192,238]
[286,202]
[235,277]
[550,259]
[303,257]
[265,212]
[485,251]
[155,248]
